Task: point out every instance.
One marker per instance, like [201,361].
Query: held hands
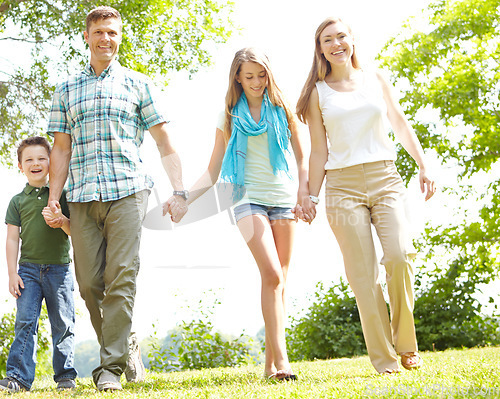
[309,210]
[305,208]
[53,215]
[177,207]
[15,285]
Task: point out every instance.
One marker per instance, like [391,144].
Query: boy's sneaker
[66,384]
[10,384]
[135,370]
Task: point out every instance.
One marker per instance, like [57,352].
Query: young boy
[43,273]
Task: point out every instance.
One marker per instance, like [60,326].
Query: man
[98,119]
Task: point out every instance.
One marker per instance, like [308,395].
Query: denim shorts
[272,212]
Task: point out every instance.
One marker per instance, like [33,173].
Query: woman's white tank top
[356,124]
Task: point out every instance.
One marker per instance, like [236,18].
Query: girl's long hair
[234,90]
[320,68]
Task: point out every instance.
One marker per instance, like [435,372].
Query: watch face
[184,194]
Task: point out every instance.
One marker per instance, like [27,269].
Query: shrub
[448,315]
[331,327]
[196,344]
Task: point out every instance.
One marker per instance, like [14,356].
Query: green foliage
[449,75]
[161,356]
[453,69]
[331,327]
[448,313]
[44,358]
[196,344]
[6,337]
[158,37]
[86,357]
[200,346]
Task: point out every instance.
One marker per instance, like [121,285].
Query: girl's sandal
[283,375]
[411,360]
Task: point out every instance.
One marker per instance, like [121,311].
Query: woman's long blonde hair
[234,90]
[320,68]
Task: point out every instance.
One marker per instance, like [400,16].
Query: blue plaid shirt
[106,117]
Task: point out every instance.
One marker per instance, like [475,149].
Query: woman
[251,145]
[345,108]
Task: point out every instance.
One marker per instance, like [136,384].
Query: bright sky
[177,266]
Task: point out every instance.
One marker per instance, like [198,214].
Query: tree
[449,75]
[158,37]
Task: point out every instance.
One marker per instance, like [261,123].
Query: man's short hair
[102,12]
[35,140]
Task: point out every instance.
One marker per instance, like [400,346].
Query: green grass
[449,374]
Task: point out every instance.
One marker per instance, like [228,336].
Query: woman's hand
[427,185]
[309,210]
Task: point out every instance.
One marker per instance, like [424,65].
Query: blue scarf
[273,121]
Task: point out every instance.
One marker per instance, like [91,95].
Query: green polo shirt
[40,243]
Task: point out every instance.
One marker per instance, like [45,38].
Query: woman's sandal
[411,360]
[283,375]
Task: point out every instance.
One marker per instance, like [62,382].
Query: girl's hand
[302,195]
[297,211]
[176,207]
[309,210]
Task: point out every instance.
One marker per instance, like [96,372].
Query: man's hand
[177,207]
[53,215]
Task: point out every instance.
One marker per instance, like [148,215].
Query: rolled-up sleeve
[58,121]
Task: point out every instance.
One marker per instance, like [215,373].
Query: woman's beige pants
[357,197]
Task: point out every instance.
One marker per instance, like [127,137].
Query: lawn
[450,374]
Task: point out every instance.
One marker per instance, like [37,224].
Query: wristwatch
[184,194]
[314,199]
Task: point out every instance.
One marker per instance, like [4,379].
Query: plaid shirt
[106,116]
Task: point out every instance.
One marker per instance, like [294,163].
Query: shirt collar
[111,69]
[29,189]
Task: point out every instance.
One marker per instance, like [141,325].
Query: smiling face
[104,38]
[253,79]
[35,165]
[336,44]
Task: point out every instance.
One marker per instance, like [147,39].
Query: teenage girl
[253,139]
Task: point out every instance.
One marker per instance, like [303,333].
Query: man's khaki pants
[106,238]
[357,197]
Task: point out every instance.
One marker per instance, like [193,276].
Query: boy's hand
[15,285]
[54,220]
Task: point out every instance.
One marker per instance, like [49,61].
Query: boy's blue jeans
[55,284]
